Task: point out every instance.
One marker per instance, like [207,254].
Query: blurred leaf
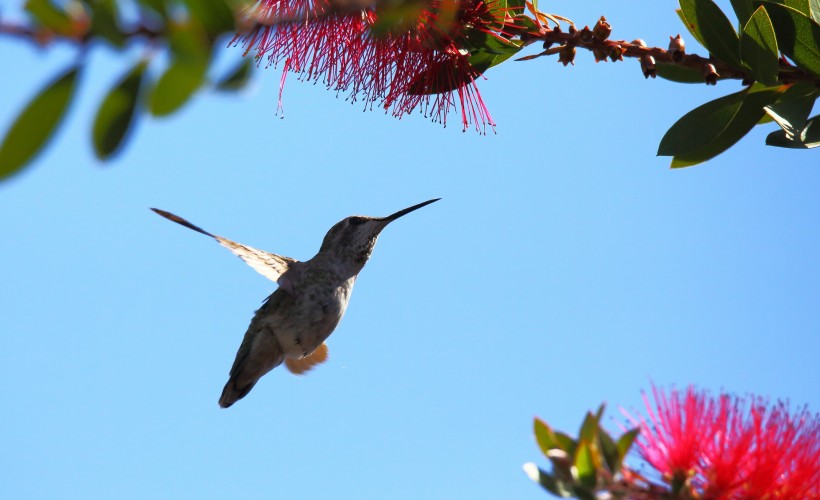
[815,10]
[238,78]
[544,436]
[678,73]
[712,29]
[797,36]
[158,6]
[176,86]
[712,128]
[609,450]
[625,443]
[589,428]
[549,483]
[189,42]
[743,10]
[215,15]
[104,21]
[36,124]
[758,47]
[565,442]
[584,464]
[50,16]
[116,113]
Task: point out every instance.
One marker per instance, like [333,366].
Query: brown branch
[596,41]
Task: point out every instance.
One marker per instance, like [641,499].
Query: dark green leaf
[544,436]
[801,6]
[797,36]
[215,15]
[712,128]
[609,450]
[808,137]
[555,486]
[712,29]
[116,113]
[565,442]
[516,6]
[104,22]
[50,16]
[157,6]
[584,464]
[758,47]
[238,78]
[678,73]
[791,110]
[36,124]
[743,10]
[173,89]
[811,132]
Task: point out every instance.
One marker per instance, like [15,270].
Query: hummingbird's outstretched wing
[269,265]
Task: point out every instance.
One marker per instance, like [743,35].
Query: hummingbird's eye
[355,221]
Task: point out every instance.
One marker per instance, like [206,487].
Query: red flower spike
[730,448]
[424,68]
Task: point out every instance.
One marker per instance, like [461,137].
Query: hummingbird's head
[351,240]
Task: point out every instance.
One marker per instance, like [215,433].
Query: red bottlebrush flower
[424,67]
[672,440]
[730,448]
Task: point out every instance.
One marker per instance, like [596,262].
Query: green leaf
[712,128]
[176,86]
[712,29]
[609,450]
[797,36]
[808,137]
[215,15]
[116,113]
[625,443]
[50,16]
[238,78]
[589,428]
[157,6]
[564,442]
[104,22]
[544,436]
[36,124]
[678,73]
[743,10]
[758,47]
[553,485]
[791,110]
[584,469]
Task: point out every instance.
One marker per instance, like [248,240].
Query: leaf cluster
[593,462]
[769,37]
[189,29]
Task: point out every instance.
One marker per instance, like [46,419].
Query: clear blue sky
[566,265]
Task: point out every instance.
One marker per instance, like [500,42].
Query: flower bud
[710,74]
[648,67]
[602,29]
[567,55]
[677,48]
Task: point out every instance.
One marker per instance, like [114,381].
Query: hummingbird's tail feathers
[303,365]
[179,220]
[231,393]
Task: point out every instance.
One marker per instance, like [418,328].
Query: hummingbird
[295,320]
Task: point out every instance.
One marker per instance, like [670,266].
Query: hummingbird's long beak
[400,213]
